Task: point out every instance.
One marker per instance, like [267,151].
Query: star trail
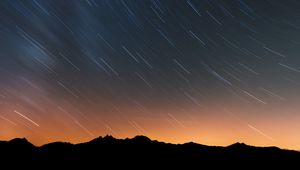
[209,71]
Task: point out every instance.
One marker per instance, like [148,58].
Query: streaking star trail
[213,72]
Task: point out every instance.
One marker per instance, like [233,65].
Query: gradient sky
[210,71]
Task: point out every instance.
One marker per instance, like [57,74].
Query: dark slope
[140,151]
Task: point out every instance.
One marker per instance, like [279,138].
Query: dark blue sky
[122,60]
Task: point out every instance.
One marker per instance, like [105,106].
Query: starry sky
[210,71]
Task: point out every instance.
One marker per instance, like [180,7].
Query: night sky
[210,71]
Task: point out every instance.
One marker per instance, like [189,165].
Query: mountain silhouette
[141,152]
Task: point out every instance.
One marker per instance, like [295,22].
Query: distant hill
[141,153]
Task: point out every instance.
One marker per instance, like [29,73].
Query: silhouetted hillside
[140,152]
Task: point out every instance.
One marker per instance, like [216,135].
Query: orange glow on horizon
[206,128]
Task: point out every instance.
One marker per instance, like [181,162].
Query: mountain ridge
[138,137]
[141,150]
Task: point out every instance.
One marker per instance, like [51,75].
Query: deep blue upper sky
[147,55]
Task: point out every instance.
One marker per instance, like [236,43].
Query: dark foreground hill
[142,153]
